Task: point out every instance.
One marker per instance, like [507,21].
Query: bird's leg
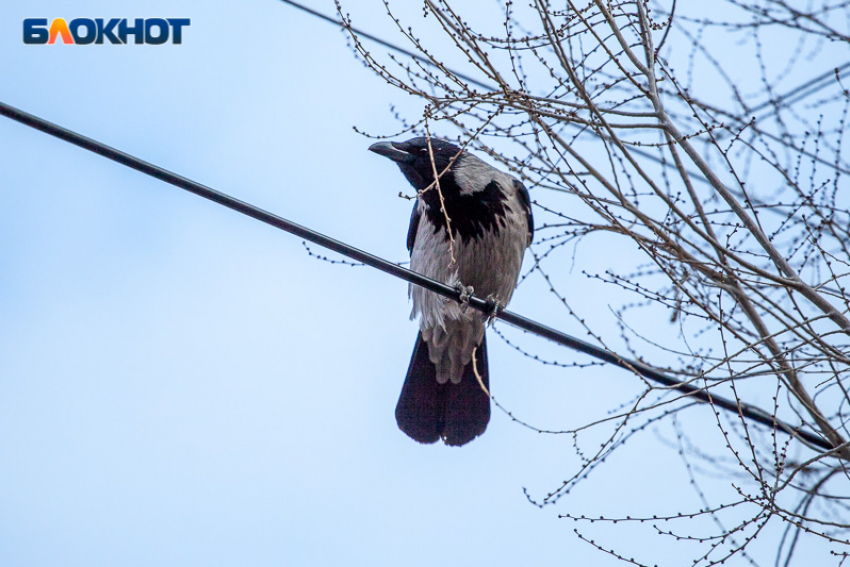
[493,308]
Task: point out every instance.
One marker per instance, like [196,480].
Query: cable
[743,409]
[384,43]
[476,82]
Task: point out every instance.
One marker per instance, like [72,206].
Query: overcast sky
[182,385]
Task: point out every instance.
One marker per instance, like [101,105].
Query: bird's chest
[468,217]
[484,251]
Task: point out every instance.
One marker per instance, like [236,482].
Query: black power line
[742,409]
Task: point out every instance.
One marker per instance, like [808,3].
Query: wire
[743,409]
[476,82]
[385,43]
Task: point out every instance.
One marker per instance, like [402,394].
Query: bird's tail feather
[428,411]
[467,407]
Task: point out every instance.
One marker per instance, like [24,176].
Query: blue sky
[182,385]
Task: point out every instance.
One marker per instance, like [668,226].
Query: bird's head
[414,159]
[473,194]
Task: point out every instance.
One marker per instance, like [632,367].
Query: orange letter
[60,27]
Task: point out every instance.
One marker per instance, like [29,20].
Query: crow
[489,216]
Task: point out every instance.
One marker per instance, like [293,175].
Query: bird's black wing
[414,226]
[525,199]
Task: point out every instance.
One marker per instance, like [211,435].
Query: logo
[87,31]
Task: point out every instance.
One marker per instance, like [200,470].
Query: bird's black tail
[428,411]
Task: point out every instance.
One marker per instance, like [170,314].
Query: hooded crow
[489,215]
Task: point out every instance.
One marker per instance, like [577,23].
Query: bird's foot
[493,308]
[465,292]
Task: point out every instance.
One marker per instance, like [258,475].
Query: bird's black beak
[389,150]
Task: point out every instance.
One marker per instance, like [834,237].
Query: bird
[468,230]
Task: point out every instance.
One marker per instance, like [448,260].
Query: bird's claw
[493,308]
[464,293]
